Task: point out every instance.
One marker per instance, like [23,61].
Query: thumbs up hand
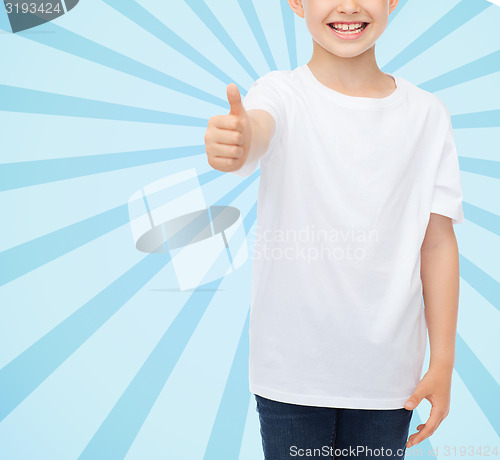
[227,139]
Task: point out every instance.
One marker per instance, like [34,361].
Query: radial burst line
[248,10]
[116,434]
[210,20]
[37,172]
[24,100]
[481,67]
[69,42]
[462,13]
[21,376]
[151,24]
[30,255]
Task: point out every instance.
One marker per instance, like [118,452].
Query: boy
[359,190]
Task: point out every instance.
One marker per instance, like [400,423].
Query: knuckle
[238,139]
[234,123]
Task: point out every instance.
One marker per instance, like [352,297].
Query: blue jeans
[295,431]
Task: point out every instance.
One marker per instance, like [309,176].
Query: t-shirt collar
[395,98]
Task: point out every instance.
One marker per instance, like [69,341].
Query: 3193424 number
[33,8]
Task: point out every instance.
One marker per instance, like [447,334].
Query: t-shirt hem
[323,401]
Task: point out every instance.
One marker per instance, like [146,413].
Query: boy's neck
[354,76]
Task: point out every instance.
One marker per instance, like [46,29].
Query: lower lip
[349,36]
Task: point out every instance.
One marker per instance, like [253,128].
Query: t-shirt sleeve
[447,196]
[264,94]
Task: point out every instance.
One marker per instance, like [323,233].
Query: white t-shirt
[346,189]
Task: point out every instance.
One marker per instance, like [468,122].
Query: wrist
[441,366]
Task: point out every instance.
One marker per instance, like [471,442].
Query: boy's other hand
[435,386]
[227,139]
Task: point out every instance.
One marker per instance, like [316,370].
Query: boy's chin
[344,53]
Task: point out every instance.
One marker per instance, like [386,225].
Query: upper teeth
[341,26]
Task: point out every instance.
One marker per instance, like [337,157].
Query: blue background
[101,355]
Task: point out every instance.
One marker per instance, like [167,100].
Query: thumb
[234,99]
[413,401]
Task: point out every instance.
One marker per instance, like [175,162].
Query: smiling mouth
[338,27]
